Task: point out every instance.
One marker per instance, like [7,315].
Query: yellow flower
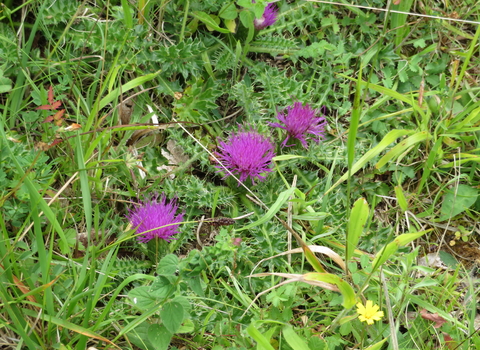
[369,313]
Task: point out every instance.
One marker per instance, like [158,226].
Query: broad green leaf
[392,247]
[402,146]
[367,157]
[180,299]
[172,316]
[187,327]
[142,298]
[356,224]
[247,18]
[282,198]
[293,339]
[159,336]
[209,21]
[457,200]
[168,265]
[162,287]
[228,11]
[345,289]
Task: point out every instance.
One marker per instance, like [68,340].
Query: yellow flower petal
[369,313]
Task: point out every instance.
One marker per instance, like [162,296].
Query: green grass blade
[345,289]
[293,339]
[367,157]
[356,224]
[282,198]
[389,249]
[258,337]
[85,187]
[402,146]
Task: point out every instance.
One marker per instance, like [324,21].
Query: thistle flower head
[299,121]
[268,18]
[369,313]
[246,154]
[152,214]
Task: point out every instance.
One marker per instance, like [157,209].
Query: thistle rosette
[246,154]
[301,122]
[152,214]
[268,18]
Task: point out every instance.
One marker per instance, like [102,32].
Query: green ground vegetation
[104,103]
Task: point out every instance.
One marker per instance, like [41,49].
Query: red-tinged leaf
[449,342]
[56,104]
[55,142]
[58,122]
[397,2]
[439,320]
[45,107]
[50,95]
[48,119]
[59,114]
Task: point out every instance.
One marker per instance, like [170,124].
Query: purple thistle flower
[268,18]
[154,213]
[299,121]
[246,154]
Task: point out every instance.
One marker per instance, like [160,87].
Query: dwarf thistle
[299,121]
[152,214]
[246,154]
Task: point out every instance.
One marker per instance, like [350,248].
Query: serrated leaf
[172,316]
[420,43]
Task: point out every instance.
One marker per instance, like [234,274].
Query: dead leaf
[439,320]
